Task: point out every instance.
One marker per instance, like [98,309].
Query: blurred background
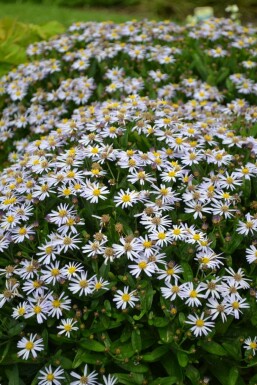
[23,22]
[67,11]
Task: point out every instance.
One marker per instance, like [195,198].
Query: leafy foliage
[128,212]
[16,36]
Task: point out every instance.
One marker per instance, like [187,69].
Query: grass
[39,14]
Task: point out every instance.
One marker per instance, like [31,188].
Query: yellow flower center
[29,345]
[142,265]
[147,244]
[193,294]
[23,231]
[253,345]
[126,198]
[83,283]
[98,285]
[21,311]
[125,297]
[200,323]
[56,303]
[67,327]
[72,269]
[235,305]
[164,191]
[96,192]
[37,309]
[62,213]
[55,272]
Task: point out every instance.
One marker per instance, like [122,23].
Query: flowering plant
[128,221]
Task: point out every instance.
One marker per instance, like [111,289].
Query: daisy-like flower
[128,246]
[142,264]
[72,269]
[197,208]
[126,198]
[81,284]
[166,194]
[250,226]
[86,378]
[110,380]
[251,254]
[251,344]
[60,216]
[170,271]
[162,238]
[58,304]
[201,325]
[171,291]
[38,307]
[217,308]
[100,284]
[67,326]
[30,346]
[20,233]
[236,278]
[66,242]
[235,304]
[123,298]
[20,310]
[93,192]
[192,294]
[50,376]
[208,260]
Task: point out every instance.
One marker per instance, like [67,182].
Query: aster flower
[48,376]
[201,325]
[86,378]
[124,298]
[30,346]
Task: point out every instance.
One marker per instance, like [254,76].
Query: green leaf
[187,271]
[13,375]
[87,357]
[199,65]
[155,354]
[171,366]
[66,363]
[92,345]
[45,338]
[164,381]
[253,131]
[134,367]
[193,374]
[160,322]
[253,380]
[6,350]
[126,335]
[236,240]
[233,349]
[182,359]
[213,348]
[15,330]
[233,376]
[125,379]
[136,340]
[166,334]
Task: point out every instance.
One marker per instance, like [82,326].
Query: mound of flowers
[128,222]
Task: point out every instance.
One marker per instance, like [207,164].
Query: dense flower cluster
[131,213]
